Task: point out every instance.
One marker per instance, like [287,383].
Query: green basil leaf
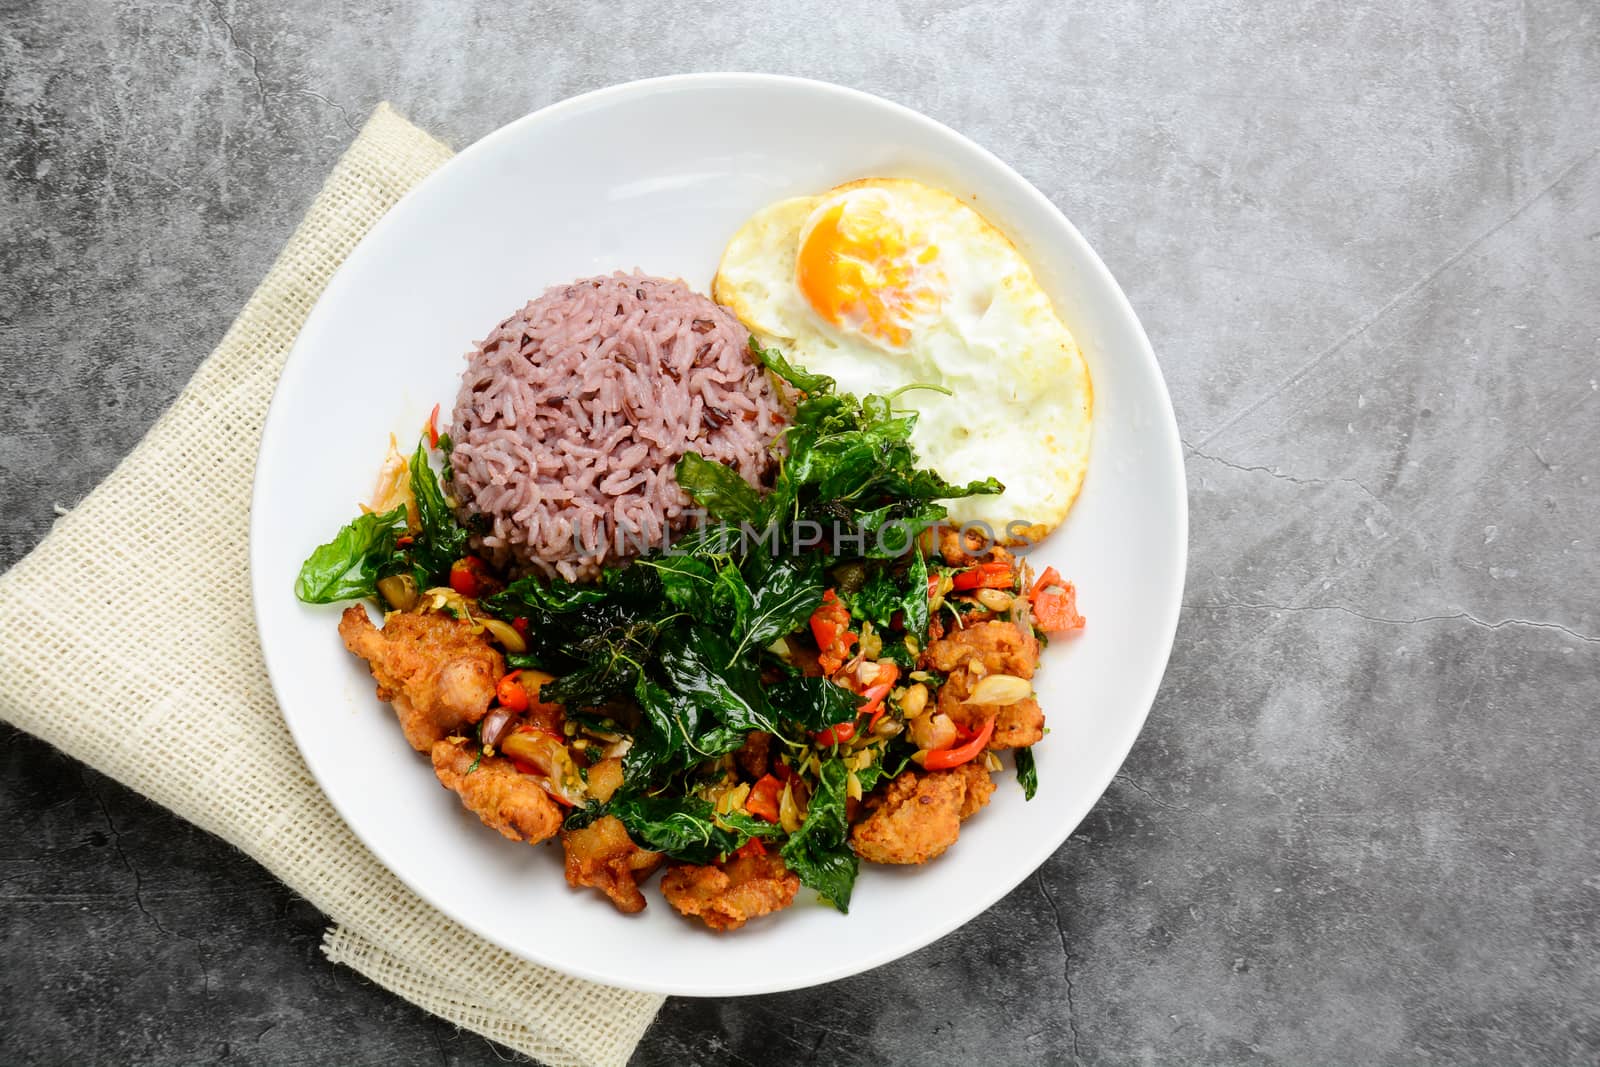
[699,663]
[748,826]
[802,380]
[914,601]
[532,596]
[612,662]
[819,852]
[347,567]
[920,484]
[441,540]
[814,703]
[721,490]
[1027,773]
[686,581]
[682,827]
[784,593]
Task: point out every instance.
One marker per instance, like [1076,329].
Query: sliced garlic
[1000,690]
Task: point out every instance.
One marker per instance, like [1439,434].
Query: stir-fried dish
[801,662]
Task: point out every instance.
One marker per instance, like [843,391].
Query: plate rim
[1035,857]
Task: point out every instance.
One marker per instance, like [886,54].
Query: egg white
[1022,402]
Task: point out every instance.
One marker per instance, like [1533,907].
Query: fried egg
[898,288]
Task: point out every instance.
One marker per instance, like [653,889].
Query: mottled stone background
[1363,823]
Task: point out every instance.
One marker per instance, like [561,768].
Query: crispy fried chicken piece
[1000,646]
[980,787]
[496,792]
[438,674]
[728,894]
[917,816]
[963,551]
[605,778]
[966,655]
[602,856]
[1015,725]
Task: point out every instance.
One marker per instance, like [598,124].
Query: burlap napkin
[126,640]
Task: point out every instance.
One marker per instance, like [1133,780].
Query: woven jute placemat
[171,697]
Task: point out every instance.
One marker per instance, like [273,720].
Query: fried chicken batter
[988,648]
[603,856]
[725,896]
[496,792]
[1015,725]
[918,816]
[963,548]
[1002,648]
[438,674]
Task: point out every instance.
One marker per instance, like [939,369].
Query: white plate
[657,175]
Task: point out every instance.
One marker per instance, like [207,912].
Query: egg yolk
[860,269]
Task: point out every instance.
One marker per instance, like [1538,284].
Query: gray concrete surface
[1363,824]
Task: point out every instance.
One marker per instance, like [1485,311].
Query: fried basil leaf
[914,602]
[532,596]
[612,662]
[578,818]
[441,540]
[1027,773]
[814,703]
[802,380]
[682,827]
[784,593]
[347,568]
[721,490]
[674,733]
[699,663]
[819,851]
[731,599]
[889,592]
[924,484]
[748,826]
[687,581]
[712,542]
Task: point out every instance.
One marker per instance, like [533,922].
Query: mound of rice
[574,412]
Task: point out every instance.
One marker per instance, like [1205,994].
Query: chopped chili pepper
[1050,577]
[524,766]
[829,617]
[404,540]
[520,624]
[464,577]
[1055,604]
[751,849]
[1057,613]
[763,799]
[782,771]
[836,734]
[432,427]
[828,627]
[945,758]
[511,692]
[995,574]
[873,695]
